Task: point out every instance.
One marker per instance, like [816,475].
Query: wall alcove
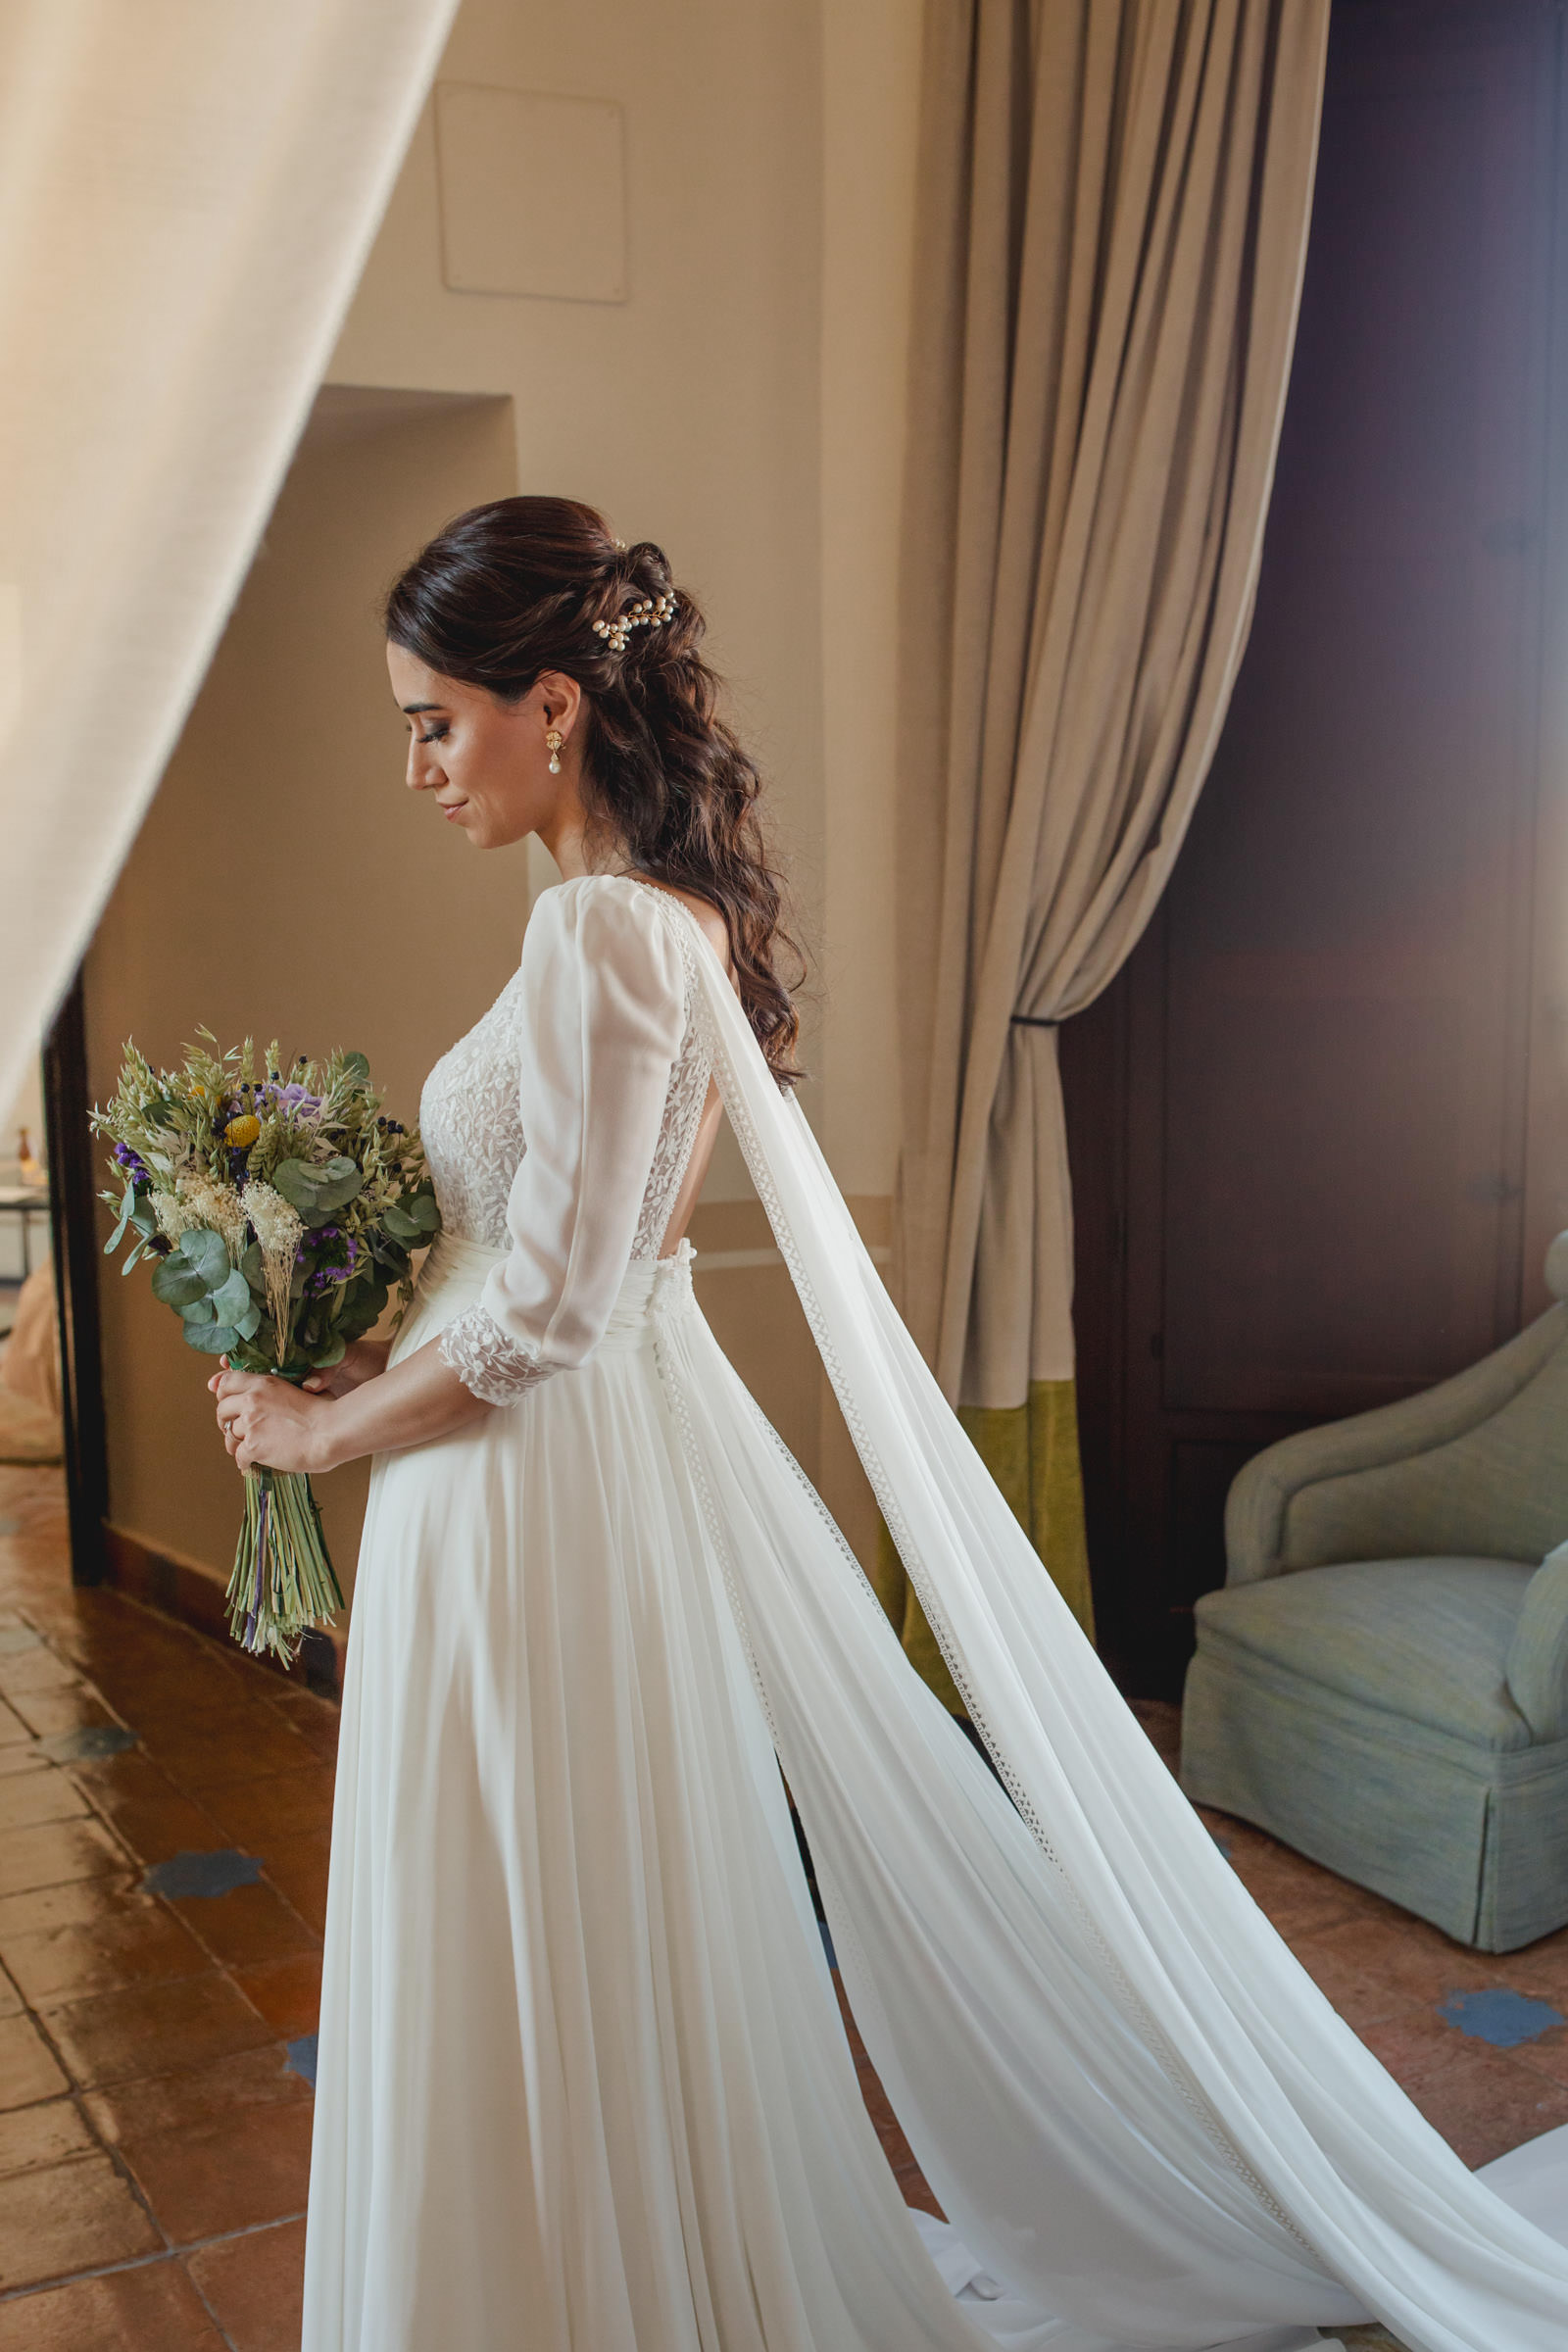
[283,881]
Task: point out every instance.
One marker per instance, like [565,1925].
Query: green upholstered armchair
[1383,1679]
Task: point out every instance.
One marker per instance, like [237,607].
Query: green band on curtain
[1031,1450]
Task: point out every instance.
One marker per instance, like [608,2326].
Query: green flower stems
[283,1579]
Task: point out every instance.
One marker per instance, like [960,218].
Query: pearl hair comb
[648,612]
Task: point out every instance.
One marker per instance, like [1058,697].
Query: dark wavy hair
[510,590]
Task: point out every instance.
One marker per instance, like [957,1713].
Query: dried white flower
[275,1222]
[174,1217]
[216,1207]
[279,1230]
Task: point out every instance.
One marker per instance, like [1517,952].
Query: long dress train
[583,2086]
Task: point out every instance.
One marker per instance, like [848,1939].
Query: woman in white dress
[583,2083]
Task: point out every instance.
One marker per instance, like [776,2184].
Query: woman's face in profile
[485,763]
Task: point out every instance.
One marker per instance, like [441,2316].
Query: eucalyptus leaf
[295,1178]
[233,1299]
[307,1184]
[401,1225]
[369,1305]
[125,1207]
[176,1283]
[213,1339]
[131,1256]
[336,1185]
[331,1352]
[316,1194]
[356,1066]
[425,1214]
[374,1308]
[199,1310]
[208,1253]
[249,1323]
[254,1269]
[144,1219]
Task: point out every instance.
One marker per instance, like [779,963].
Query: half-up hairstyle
[511,590]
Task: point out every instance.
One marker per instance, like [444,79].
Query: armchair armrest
[1350,1520]
[1538,1657]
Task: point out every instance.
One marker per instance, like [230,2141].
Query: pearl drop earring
[555,739]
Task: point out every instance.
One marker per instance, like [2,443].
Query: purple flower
[340,1264]
[293,1099]
[136,1170]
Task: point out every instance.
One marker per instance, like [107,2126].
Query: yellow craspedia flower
[242,1132]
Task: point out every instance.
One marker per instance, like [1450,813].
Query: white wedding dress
[583,2086]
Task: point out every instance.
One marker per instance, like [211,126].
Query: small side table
[24,1201]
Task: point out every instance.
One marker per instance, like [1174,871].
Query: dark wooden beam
[73,1225]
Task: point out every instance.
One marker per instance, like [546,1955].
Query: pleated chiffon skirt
[583,2086]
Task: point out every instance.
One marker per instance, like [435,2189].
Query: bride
[584,2083]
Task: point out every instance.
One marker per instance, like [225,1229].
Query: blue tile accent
[89,1739]
[301,2058]
[203,1874]
[1504,2018]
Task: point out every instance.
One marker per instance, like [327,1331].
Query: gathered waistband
[454,1272]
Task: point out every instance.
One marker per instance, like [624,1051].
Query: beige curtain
[188,189]
[1115,203]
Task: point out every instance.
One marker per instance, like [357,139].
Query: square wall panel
[533,193]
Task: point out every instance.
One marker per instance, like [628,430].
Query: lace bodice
[563,1070]
[471,1127]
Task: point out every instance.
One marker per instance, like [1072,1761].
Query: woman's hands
[270,1424]
[361,1361]
[358,1407]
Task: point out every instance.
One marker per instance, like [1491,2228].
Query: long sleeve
[603,1014]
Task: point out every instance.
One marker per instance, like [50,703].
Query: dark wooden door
[1297,1119]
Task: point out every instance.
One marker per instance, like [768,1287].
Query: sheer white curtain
[188,189]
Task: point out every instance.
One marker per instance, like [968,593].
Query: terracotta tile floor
[154,2120]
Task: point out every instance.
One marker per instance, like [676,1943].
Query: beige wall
[871,66]
[744,406]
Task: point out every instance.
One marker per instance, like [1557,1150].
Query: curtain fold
[188,190]
[1115,201]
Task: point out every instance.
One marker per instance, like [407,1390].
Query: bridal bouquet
[279,1214]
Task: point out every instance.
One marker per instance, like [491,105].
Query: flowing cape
[1137,2110]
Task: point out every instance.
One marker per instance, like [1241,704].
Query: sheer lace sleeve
[603,1014]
